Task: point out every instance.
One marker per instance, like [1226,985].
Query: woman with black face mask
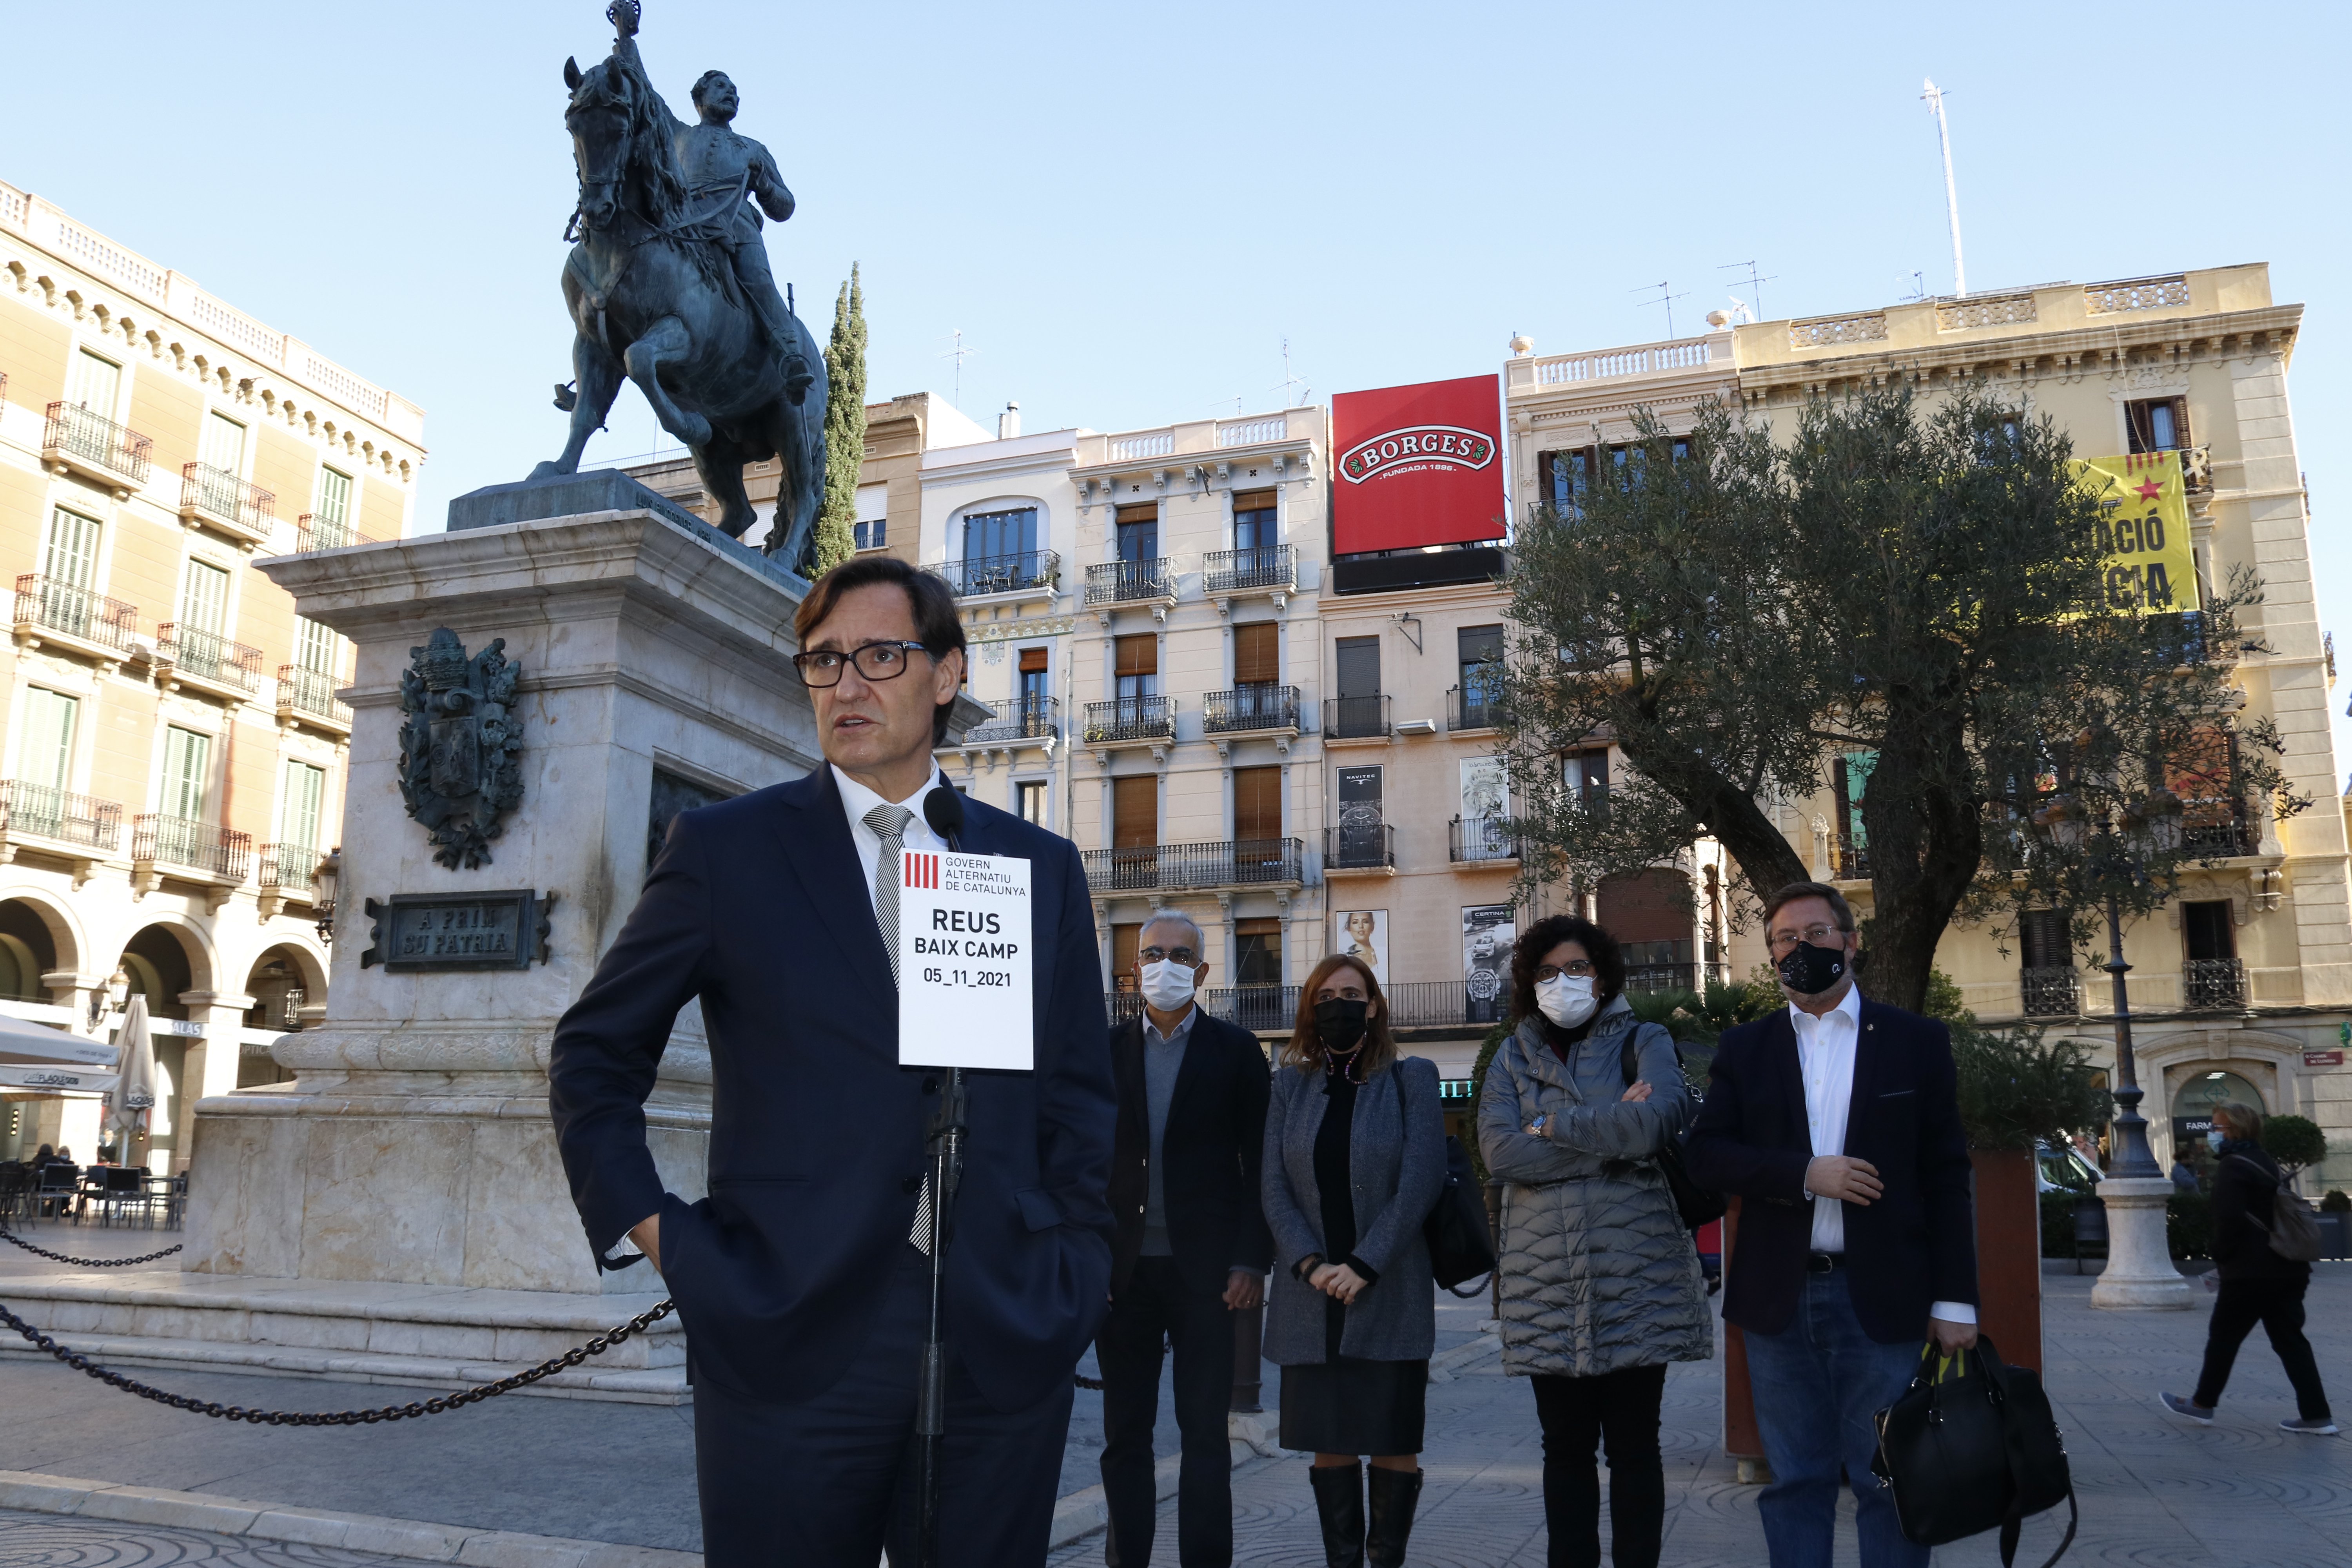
[1355,1157]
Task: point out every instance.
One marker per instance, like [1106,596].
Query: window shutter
[1033,660]
[1138,654]
[1148,512]
[1135,812]
[1254,501]
[70,558]
[1257,659]
[1257,804]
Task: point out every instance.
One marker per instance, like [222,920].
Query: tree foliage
[845,428]
[1738,609]
[2017,1088]
[2296,1142]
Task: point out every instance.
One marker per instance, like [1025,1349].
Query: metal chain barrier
[9,1236]
[436,1407]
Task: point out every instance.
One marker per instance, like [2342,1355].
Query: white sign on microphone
[964,941]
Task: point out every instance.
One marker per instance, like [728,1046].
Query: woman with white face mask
[1601,1283]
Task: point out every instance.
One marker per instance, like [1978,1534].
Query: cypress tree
[845,428]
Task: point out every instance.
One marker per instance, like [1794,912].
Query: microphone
[943,809]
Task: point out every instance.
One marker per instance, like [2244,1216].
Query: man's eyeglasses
[1578,968]
[1183,955]
[1783,942]
[875,662]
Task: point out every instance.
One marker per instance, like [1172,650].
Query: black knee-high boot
[1395,1495]
[1339,1500]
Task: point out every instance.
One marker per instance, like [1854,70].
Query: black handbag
[1460,1245]
[1696,1204]
[1969,1446]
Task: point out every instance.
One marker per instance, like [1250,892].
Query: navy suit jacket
[1914,1247]
[758,906]
[1209,1154]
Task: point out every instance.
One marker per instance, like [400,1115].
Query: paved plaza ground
[2153,1491]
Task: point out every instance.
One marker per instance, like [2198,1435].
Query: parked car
[2057,1169]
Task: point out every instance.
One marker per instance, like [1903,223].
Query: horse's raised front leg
[597,381]
[665,339]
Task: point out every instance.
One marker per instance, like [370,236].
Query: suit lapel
[1789,1071]
[1865,1071]
[824,858]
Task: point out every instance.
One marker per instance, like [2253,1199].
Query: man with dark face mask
[1837,1122]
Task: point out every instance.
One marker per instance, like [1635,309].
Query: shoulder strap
[1629,1056]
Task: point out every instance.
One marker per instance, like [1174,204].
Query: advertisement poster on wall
[1487,935]
[1363,935]
[1485,809]
[1417,464]
[1362,819]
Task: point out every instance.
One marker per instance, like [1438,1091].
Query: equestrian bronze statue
[669,286]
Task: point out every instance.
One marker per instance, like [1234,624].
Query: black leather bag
[1971,1446]
[1696,1204]
[1460,1245]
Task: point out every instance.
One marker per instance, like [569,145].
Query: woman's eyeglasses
[1579,970]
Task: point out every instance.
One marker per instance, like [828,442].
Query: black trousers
[828,1482]
[1197,1324]
[1618,1409]
[2277,1306]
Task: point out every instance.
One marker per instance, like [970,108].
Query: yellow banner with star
[2143,527]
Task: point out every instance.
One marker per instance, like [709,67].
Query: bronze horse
[651,297]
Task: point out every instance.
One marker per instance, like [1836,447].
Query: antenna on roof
[1667,297]
[1756,282]
[959,354]
[1289,381]
[1935,97]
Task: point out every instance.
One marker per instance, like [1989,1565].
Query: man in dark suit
[1192,1246]
[801,1279]
[1837,1123]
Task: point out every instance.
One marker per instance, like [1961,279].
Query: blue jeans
[1819,1384]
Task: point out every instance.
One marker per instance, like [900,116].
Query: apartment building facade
[2241,987]
[175,748]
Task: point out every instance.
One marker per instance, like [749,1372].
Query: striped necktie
[889,825]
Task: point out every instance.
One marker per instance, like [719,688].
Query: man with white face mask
[1193,1246]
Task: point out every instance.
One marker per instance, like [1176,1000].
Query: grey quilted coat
[1598,1273]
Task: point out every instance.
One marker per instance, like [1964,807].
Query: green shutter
[334,499]
[47,758]
[203,598]
[187,770]
[314,647]
[70,556]
[298,816]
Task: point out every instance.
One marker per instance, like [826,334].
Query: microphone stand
[946,1143]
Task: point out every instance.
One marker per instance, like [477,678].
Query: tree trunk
[1926,845]
[1728,812]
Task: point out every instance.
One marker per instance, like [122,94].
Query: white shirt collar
[857,800]
[1849,1008]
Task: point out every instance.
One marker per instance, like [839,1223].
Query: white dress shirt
[1826,1047]
[857,800]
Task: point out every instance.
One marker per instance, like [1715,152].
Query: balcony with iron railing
[308,696]
[208,661]
[312,532]
[2213,985]
[82,441]
[1479,707]
[1481,839]
[975,577]
[1849,861]
[1655,977]
[1253,709]
[1436,1004]
[1131,582]
[2050,993]
[1028,721]
[1367,847]
[1355,718]
[39,812]
[1265,569]
[1240,863]
[1262,1009]
[200,849]
[2226,839]
[48,611]
[289,870]
[219,501]
[1131,722]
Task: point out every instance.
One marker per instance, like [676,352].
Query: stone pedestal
[2139,1272]
[398,1210]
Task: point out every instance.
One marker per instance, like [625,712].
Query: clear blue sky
[1127,208]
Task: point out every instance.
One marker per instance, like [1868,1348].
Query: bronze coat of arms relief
[458,746]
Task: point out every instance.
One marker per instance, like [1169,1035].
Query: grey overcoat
[1396,1165]
[1598,1272]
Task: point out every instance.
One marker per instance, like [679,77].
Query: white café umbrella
[36,1056]
[133,1095]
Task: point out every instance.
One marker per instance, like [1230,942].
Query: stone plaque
[415,931]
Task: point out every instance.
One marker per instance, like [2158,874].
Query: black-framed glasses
[1577,969]
[875,662]
[1183,955]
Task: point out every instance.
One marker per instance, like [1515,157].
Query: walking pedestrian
[1191,1248]
[2258,1286]
[1355,1157]
[1837,1123]
[1601,1283]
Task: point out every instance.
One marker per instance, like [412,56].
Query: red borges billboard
[1417,464]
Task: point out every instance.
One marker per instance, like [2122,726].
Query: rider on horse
[718,162]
